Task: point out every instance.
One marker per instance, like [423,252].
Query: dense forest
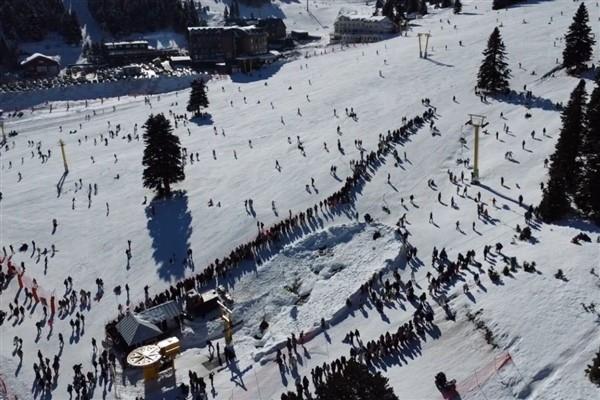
[121,17]
[32,20]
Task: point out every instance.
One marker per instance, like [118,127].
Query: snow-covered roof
[134,42]
[219,28]
[40,55]
[135,329]
[180,58]
[161,312]
[365,18]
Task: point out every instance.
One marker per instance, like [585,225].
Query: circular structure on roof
[144,356]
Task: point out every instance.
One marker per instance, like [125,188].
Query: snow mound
[311,279]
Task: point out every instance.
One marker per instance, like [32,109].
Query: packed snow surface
[538,322]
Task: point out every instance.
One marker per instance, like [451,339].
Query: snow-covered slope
[536,319]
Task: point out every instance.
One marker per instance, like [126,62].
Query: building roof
[135,329]
[161,312]
[180,58]
[113,44]
[221,28]
[270,21]
[55,59]
[365,18]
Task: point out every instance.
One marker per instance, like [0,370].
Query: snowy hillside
[541,335]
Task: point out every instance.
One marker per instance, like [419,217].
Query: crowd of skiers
[405,340]
[253,250]
[377,290]
[46,370]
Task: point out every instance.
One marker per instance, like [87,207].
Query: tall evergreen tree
[593,370]
[70,28]
[579,41]
[587,197]
[8,54]
[393,9]
[162,155]
[457,7]
[388,9]
[198,99]
[355,382]
[423,8]
[234,10]
[494,72]
[412,6]
[556,199]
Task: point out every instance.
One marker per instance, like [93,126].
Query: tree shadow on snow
[260,74]
[521,99]
[170,227]
[581,225]
[205,119]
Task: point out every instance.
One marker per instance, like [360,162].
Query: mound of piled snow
[312,279]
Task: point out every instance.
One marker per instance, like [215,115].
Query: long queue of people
[258,249]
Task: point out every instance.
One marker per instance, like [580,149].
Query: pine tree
[578,41]
[162,155]
[457,7]
[198,99]
[388,9]
[234,12]
[8,54]
[70,28]
[423,8]
[355,382]
[555,202]
[587,197]
[498,4]
[412,6]
[494,72]
[593,370]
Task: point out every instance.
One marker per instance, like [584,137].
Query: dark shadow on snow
[170,227]
[521,99]
[258,75]
[205,119]
[439,63]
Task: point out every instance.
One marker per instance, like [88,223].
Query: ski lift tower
[423,43]
[478,122]
[227,318]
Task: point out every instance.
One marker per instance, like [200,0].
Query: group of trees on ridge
[574,170]
[121,17]
[33,20]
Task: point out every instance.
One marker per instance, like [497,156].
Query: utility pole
[478,122]
[64,157]
[307,6]
[423,54]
